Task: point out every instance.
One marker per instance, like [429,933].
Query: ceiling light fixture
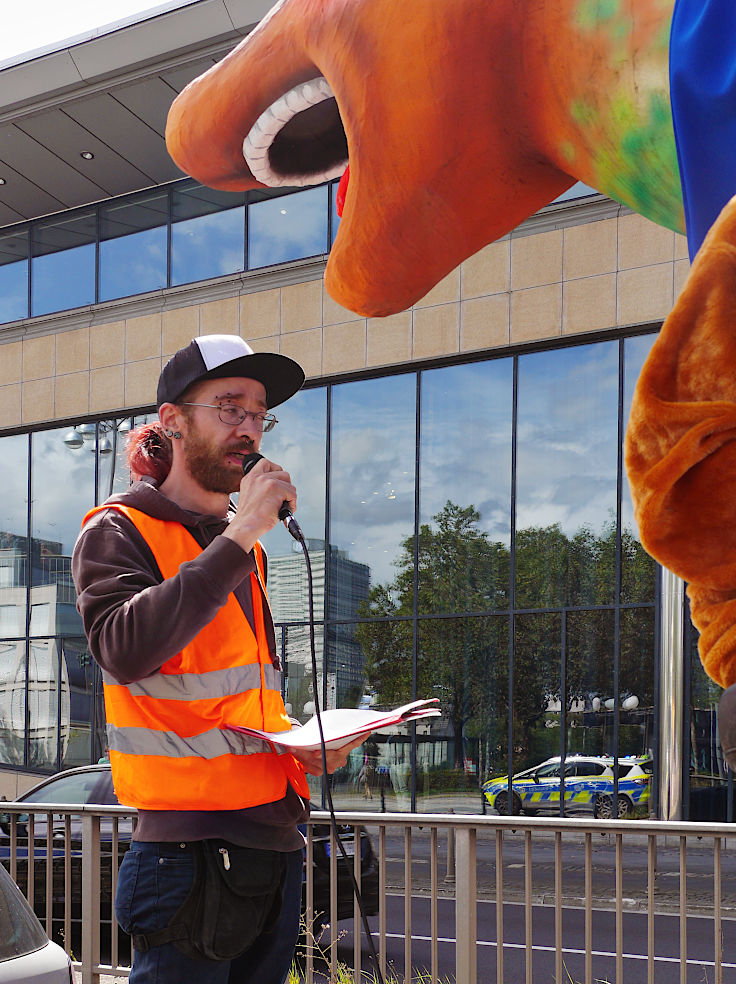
[2,181]
[87,155]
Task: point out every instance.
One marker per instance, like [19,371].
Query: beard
[205,463]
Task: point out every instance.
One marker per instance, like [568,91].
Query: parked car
[588,785]
[92,786]
[27,955]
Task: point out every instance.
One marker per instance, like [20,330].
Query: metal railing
[574,900]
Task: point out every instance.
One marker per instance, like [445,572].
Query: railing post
[466,928]
[90,898]
[450,865]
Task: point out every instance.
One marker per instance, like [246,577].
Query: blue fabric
[703,96]
[153,883]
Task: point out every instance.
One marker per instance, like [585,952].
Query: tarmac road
[700,885]
[700,963]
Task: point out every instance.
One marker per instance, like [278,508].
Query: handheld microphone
[285,514]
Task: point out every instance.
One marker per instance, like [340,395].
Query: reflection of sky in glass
[466,442]
[133,264]
[567,428]
[56,516]
[298,443]
[372,494]
[334,217]
[13,502]
[14,291]
[635,352]
[114,474]
[62,280]
[287,228]
[13,523]
[207,246]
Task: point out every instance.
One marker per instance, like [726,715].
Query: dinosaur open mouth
[299,140]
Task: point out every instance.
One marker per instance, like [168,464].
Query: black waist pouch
[235,896]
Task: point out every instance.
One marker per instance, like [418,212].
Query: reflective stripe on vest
[169,745]
[200,686]
[209,745]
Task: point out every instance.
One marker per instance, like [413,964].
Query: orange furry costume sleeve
[681,446]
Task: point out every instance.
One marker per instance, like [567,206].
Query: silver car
[27,955]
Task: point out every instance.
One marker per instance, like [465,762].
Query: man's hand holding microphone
[265,490]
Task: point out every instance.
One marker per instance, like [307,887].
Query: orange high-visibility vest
[169,747]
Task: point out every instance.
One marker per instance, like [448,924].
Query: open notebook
[343,724]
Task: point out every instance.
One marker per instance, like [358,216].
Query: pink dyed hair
[149,451]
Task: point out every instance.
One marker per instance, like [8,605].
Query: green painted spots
[583,112]
[624,113]
[639,163]
[622,136]
[567,151]
[662,39]
[591,14]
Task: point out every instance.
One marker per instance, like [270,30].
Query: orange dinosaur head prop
[459,118]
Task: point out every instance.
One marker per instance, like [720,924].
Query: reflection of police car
[588,785]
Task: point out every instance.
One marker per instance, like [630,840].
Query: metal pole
[91,897]
[450,868]
[466,908]
[672,713]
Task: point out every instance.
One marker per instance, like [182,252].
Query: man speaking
[171,579]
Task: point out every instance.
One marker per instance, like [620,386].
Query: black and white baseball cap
[218,356]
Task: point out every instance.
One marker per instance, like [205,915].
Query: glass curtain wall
[148,241]
[14,582]
[50,706]
[709,792]
[475,544]
[513,587]
[133,240]
[207,233]
[299,442]
[14,252]
[282,228]
[63,262]
[471,540]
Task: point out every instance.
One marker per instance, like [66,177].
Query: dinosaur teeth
[270,123]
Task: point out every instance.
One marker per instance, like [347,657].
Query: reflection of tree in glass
[463,661]
[554,570]
[536,682]
[460,571]
[706,755]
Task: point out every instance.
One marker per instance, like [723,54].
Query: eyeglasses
[232,414]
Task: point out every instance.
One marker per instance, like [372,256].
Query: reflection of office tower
[35,695]
[349,585]
[12,701]
[43,687]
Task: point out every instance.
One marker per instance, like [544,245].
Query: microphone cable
[294,529]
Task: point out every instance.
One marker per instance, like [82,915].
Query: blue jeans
[153,882]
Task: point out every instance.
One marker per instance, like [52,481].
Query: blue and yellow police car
[588,784]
